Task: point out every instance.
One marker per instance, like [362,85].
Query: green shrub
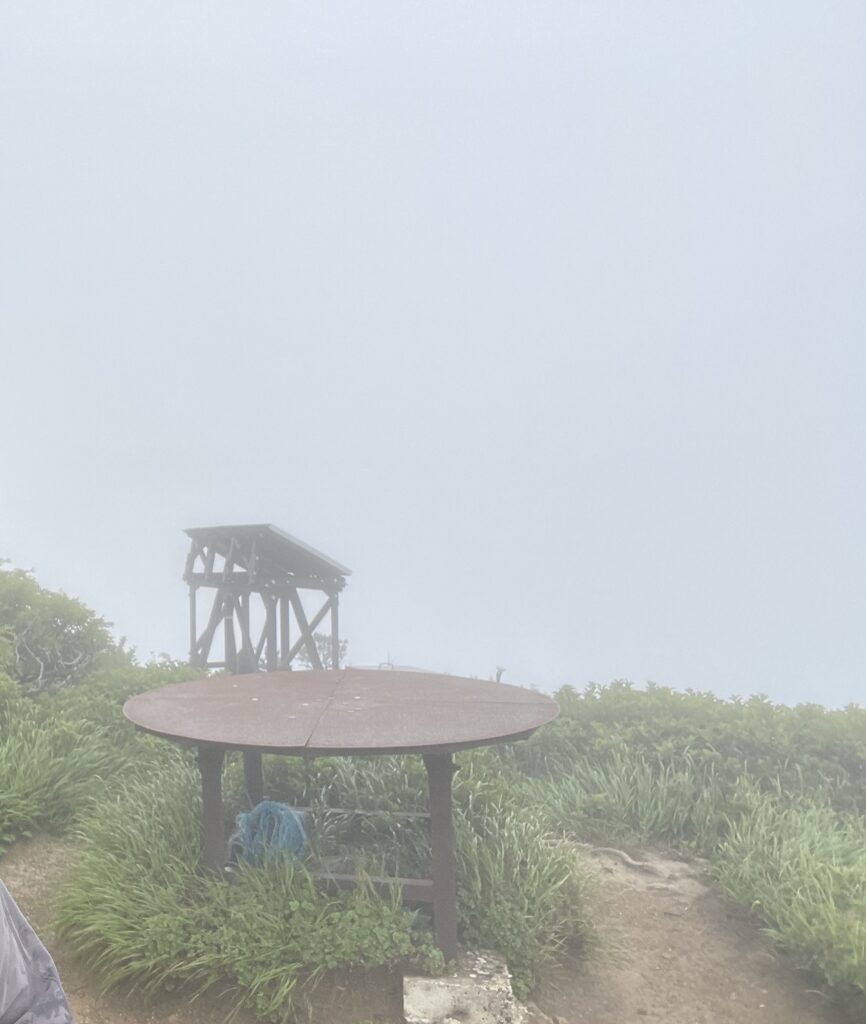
[807,747]
[49,640]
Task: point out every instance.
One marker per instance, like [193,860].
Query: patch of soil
[675,951]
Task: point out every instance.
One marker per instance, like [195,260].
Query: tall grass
[802,868]
[631,797]
[521,892]
[57,751]
[141,914]
[49,764]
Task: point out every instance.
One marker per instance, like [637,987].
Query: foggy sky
[547,319]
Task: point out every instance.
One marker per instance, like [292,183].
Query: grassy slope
[771,794]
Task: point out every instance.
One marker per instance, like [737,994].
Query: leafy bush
[49,640]
[804,748]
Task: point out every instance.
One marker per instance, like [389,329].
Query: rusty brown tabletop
[348,712]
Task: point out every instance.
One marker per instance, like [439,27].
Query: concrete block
[478,993]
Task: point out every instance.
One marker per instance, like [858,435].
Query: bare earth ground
[673,951]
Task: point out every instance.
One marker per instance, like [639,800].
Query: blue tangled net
[269,831]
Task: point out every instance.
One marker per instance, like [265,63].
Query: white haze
[546,318]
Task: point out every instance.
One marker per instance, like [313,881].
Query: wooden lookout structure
[256,574]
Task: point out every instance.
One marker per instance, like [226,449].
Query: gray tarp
[30,990]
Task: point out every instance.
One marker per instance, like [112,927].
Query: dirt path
[676,952]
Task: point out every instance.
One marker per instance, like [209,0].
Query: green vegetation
[143,914]
[57,752]
[803,868]
[49,640]
[772,796]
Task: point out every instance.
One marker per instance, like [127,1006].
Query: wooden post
[272,655]
[210,763]
[254,781]
[285,636]
[335,633]
[231,656]
[193,627]
[440,769]
[246,654]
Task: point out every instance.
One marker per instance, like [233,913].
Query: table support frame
[254,783]
[441,891]
[440,771]
[210,763]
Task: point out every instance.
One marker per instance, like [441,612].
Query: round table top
[348,711]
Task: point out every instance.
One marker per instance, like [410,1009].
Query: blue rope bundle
[270,830]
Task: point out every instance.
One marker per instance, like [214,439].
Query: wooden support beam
[210,763]
[247,660]
[204,642]
[193,629]
[269,633]
[229,634]
[306,629]
[335,632]
[440,770]
[409,815]
[254,783]
[414,890]
[260,646]
[285,635]
[245,581]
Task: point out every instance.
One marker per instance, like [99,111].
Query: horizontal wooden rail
[364,813]
[415,890]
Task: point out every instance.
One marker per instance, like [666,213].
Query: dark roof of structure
[278,551]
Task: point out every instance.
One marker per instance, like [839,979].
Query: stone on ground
[478,993]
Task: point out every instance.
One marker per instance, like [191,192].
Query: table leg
[210,763]
[440,769]
[254,782]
